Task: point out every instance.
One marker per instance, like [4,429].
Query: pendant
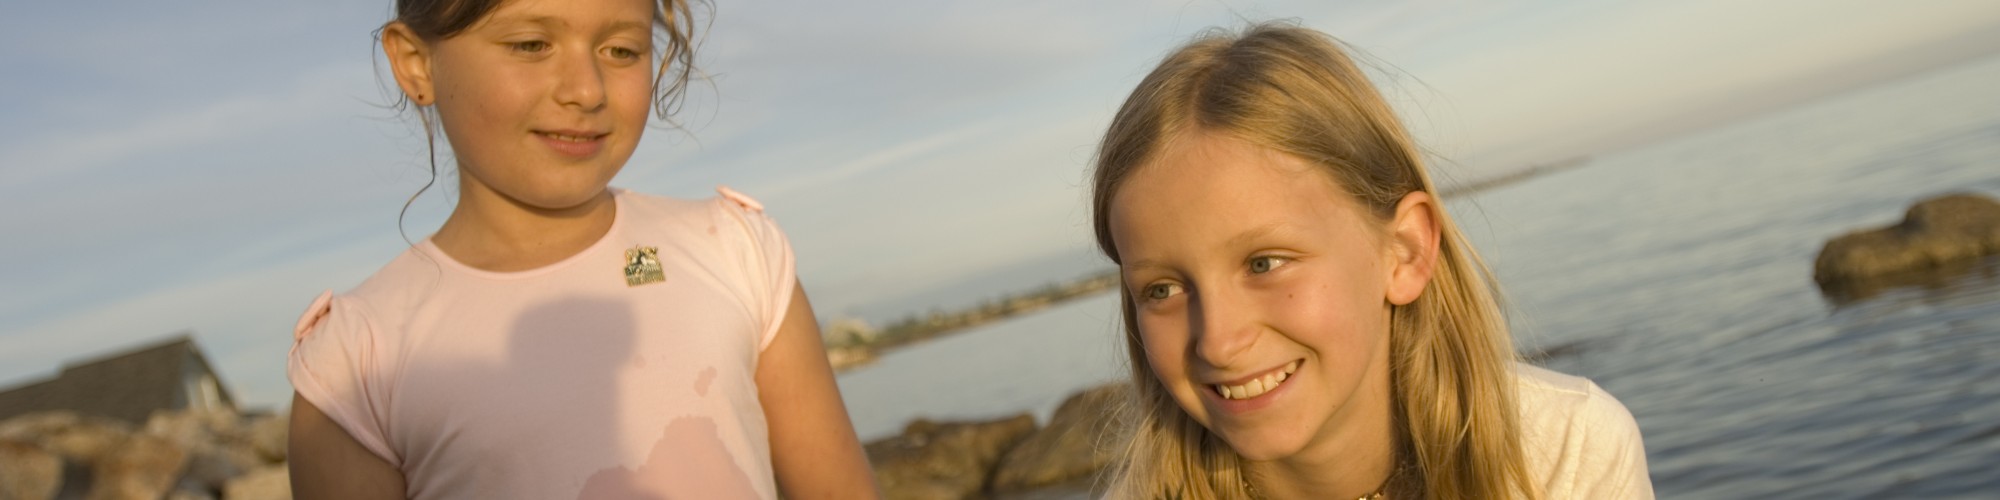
[642,266]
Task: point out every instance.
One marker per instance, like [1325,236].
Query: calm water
[1679,277]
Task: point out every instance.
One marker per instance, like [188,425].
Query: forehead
[1204,189]
[572,13]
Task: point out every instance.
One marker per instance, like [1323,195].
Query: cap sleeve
[769,262]
[1612,445]
[333,366]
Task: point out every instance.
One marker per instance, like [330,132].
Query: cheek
[492,99]
[633,88]
[1164,344]
[1333,314]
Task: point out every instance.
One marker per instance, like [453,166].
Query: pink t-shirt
[565,381]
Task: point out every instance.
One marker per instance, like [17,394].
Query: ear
[1412,247]
[410,60]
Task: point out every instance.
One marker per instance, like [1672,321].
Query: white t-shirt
[1580,442]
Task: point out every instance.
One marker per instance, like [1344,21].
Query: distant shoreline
[852,342]
[1531,172]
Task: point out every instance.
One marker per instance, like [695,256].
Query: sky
[210,166]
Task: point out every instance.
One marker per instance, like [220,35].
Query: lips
[1258,385]
[573,143]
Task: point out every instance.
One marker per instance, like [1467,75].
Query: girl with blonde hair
[1303,318]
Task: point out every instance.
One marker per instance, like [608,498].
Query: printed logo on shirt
[642,266]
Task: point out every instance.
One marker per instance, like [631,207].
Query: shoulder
[1556,404]
[1579,439]
[730,214]
[649,207]
[1548,390]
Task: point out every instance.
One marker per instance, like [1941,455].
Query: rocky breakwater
[1936,236]
[1009,457]
[176,455]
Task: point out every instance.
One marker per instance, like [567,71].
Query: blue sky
[210,166]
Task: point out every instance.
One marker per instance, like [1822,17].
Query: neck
[488,230]
[1352,455]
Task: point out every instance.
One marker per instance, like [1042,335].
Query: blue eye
[1161,291]
[1261,265]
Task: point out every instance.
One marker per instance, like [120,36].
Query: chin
[1264,444]
[558,194]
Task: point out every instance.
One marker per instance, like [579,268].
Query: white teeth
[1257,386]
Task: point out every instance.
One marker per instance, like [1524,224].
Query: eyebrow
[1238,240]
[1254,233]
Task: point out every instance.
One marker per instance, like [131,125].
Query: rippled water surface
[1679,277]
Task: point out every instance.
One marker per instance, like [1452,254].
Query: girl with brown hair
[558,337]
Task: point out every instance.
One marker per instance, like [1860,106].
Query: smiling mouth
[573,138]
[1257,386]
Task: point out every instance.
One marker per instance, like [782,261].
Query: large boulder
[27,472]
[76,438]
[269,483]
[950,460]
[220,444]
[267,435]
[1934,233]
[1075,444]
[143,467]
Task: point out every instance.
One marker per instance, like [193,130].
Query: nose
[1225,326]
[580,82]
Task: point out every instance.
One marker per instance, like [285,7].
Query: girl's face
[1261,292]
[543,101]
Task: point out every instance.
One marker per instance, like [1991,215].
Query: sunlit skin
[542,101]
[1241,261]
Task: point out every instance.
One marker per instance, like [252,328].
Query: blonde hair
[1293,90]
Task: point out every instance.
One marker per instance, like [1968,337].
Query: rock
[944,460]
[268,436]
[209,467]
[143,467]
[75,438]
[187,494]
[27,472]
[192,428]
[1073,445]
[219,445]
[1934,233]
[269,483]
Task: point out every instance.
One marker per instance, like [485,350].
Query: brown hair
[431,20]
[673,23]
[1295,91]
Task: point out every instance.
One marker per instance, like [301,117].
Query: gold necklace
[1374,495]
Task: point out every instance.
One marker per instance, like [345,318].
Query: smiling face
[1259,290]
[542,101]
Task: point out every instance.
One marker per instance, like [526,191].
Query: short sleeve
[333,366]
[1612,453]
[769,262]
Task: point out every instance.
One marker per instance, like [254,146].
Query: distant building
[129,386]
